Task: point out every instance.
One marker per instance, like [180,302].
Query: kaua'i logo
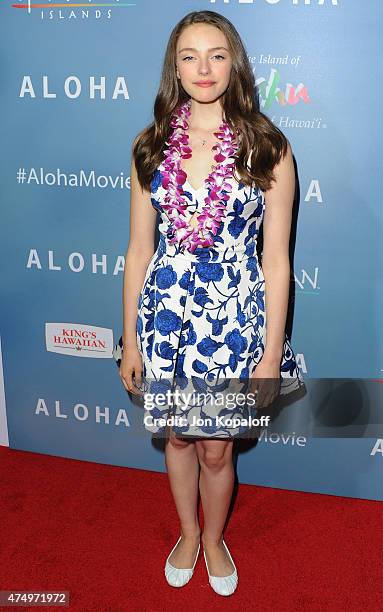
[270,91]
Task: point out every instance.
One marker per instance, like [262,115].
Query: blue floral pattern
[201,316]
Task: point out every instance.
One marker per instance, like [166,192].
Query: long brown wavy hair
[258,135]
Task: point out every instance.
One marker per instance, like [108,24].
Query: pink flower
[173,177]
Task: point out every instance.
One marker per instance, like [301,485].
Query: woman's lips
[206,84]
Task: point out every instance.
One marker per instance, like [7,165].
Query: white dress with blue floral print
[201,316]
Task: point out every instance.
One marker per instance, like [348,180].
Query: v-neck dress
[201,324]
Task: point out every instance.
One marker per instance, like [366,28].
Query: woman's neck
[205,116]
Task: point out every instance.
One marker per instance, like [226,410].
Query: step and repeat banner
[78,83]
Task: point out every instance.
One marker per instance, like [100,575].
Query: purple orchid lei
[173,177]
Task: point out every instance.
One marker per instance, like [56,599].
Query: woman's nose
[203,69]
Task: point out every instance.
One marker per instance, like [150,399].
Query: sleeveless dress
[201,323]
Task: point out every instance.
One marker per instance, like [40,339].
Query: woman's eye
[221,57]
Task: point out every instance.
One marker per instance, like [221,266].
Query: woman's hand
[131,369]
[265,381]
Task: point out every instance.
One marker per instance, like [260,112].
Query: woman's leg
[216,487]
[183,469]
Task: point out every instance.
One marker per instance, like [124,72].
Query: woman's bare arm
[139,252]
[275,257]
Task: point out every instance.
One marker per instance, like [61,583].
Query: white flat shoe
[176,576]
[223,585]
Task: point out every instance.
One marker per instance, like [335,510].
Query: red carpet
[86,528]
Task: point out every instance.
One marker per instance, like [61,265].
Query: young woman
[214,168]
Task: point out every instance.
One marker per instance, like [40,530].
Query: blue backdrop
[79,82]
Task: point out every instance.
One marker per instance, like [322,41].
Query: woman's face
[202,56]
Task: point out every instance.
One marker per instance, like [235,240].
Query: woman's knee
[214,454]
